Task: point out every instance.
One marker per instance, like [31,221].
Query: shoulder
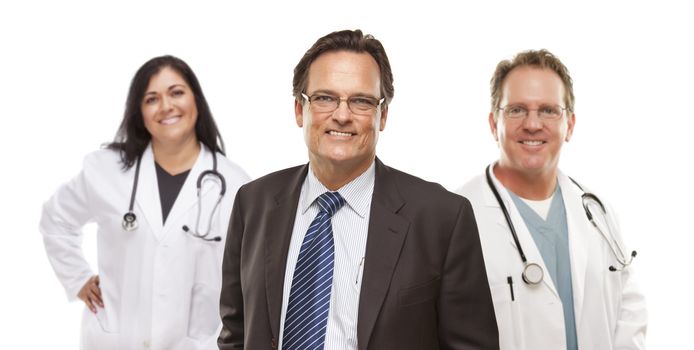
[430,194]
[103,160]
[472,189]
[414,185]
[573,190]
[230,169]
[272,183]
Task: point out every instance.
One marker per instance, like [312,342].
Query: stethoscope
[532,272]
[130,219]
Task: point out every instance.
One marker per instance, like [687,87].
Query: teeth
[169,121]
[337,133]
[532,143]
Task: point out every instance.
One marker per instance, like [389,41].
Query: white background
[65,67]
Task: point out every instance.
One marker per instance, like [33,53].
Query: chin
[536,165]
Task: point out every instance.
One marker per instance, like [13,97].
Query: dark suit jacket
[424,284]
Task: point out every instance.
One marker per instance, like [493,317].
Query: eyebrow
[169,89]
[333,93]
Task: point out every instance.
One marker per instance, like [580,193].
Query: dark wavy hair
[345,40]
[132,137]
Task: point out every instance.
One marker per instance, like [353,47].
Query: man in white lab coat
[558,280]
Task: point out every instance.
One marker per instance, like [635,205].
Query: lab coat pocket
[419,293]
[204,312]
[506,308]
[106,321]
[95,332]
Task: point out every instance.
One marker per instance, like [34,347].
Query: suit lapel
[387,232]
[277,240]
[147,196]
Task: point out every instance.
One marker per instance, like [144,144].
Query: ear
[384,117]
[570,127]
[492,126]
[299,113]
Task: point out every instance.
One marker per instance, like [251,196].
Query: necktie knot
[330,202]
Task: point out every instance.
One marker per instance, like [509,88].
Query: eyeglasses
[547,112]
[361,105]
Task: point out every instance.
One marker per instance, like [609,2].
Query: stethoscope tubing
[130,219]
[507,216]
[532,272]
[615,247]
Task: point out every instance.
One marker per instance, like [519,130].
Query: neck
[176,158]
[534,186]
[334,176]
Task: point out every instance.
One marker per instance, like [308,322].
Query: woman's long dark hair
[132,137]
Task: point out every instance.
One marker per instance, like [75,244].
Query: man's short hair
[345,40]
[533,58]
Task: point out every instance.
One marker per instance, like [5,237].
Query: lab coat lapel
[147,197]
[279,233]
[532,253]
[187,198]
[387,232]
[578,226]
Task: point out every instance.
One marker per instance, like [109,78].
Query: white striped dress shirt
[350,229]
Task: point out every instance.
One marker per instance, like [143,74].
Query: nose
[342,114]
[166,104]
[532,122]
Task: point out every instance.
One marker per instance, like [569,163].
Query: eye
[363,102]
[323,98]
[178,93]
[515,110]
[150,100]
[550,110]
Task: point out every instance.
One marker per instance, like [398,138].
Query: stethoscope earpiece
[215,238]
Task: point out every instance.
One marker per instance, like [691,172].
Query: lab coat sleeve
[632,320]
[61,224]
[231,299]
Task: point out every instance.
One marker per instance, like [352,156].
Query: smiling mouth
[338,133]
[170,120]
[533,142]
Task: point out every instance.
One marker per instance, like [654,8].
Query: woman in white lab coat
[158,277]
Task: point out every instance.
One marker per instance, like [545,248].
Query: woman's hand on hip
[91,294]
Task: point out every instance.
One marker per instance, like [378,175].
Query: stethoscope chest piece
[533,274]
[129,221]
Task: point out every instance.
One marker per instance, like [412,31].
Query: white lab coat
[160,285]
[610,311]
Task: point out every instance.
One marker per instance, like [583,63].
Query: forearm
[630,332]
[61,224]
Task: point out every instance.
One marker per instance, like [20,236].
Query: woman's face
[168,108]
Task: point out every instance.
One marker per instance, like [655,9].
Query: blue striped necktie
[309,299]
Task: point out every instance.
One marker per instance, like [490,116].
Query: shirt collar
[357,193]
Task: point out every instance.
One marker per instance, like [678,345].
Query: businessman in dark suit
[345,252]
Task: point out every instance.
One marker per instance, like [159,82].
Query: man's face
[531,145]
[342,138]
